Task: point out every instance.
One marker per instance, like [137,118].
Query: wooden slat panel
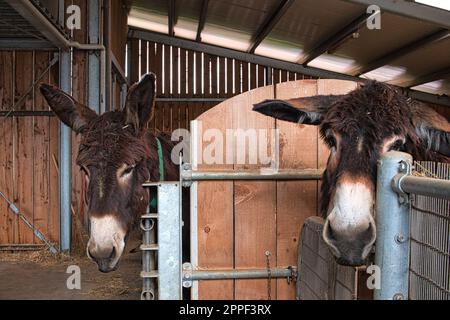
[41,157]
[7,219]
[144,57]
[276,75]
[283,77]
[183,77]
[244,76]
[254,204]
[159,70]
[229,75]
[175,73]
[166,71]
[198,74]
[206,75]
[215,218]
[237,77]
[222,77]
[134,56]
[25,135]
[252,75]
[214,86]
[296,200]
[261,78]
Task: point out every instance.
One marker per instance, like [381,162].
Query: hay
[43,258]
[113,287]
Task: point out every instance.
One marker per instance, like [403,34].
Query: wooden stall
[239,221]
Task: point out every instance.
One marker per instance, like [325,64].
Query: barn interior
[203,52]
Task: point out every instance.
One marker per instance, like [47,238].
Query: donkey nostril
[113,253]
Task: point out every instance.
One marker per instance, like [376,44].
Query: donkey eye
[330,141]
[128,170]
[398,145]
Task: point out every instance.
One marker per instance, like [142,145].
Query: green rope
[153,203]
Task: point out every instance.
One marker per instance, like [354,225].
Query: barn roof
[411,49]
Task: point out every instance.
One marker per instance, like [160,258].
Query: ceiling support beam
[430,77]
[171,16]
[410,47]
[269,62]
[269,23]
[410,9]
[202,20]
[334,40]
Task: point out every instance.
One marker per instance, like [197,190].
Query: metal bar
[169,242]
[196,275]
[269,62]
[437,188]
[27,113]
[94,59]
[65,149]
[392,244]
[336,38]
[393,55]
[201,20]
[269,23]
[433,76]
[148,257]
[306,174]
[410,9]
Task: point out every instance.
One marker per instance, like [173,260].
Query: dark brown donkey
[358,128]
[117,154]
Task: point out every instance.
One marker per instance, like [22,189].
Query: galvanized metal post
[65,163]
[392,215]
[169,242]
[94,91]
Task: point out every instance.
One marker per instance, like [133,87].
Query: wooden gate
[238,221]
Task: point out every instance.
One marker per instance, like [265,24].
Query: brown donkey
[358,128]
[117,154]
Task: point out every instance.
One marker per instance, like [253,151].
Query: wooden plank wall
[28,146]
[239,221]
[188,74]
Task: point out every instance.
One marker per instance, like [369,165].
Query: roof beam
[410,9]
[334,40]
[393,55]
[33,15]
[202,20]
[171,17]
[269,62]
[269,23]
[430,77]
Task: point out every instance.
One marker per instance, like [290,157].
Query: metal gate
[413,243]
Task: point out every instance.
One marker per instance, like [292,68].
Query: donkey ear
[69,111]
[432,128]
[140,101]
[308,110]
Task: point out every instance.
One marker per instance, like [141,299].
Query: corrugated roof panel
[435,87]
[309,22]
[432,58]
[395,32]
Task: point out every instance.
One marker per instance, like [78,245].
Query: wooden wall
[238,221]
[29,145]
[188,74]
[28,148]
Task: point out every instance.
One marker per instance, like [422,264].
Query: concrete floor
[22,279]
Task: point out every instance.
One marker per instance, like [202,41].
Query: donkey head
[358,128]
[115,156]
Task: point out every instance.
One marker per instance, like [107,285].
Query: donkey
[358,128]
[117,154]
